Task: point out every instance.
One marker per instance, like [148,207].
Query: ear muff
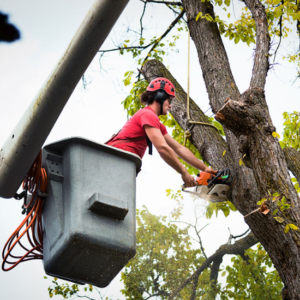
[161,96]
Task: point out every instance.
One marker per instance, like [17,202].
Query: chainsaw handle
[218,175]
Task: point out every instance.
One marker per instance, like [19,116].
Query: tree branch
[261,60]
[194,288]
[165,33]
[214,273]
[164,2]
[280,33]
[292,157]
[241,245]
[153,44]
[298,22]
[141,19]
[219,81]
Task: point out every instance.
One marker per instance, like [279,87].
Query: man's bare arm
[185,154]
[167,154]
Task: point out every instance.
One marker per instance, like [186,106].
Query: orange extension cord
[36,179]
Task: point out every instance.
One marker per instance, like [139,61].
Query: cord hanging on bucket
[187,133]
[35,183]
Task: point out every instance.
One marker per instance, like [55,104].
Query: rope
[187,133]
[36,183]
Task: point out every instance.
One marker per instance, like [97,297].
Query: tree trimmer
[214,188]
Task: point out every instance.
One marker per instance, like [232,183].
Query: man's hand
[188,179]
[211,171]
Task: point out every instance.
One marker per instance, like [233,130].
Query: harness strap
[132,140]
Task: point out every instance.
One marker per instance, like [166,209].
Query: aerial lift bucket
[89,231]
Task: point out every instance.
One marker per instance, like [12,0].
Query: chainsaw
[214,188]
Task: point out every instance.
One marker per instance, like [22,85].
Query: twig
[280,33]
[141,19]
[163,2]
[165,33]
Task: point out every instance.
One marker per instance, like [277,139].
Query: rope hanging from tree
[187,133]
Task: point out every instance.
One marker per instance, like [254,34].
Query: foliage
[72,291]
[291,131]
[163,260]
[252,279]
[225,207]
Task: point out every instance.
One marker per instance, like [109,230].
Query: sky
[96,113]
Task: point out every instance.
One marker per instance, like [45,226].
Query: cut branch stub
[249,119]
[243,115]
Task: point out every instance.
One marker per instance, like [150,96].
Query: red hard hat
[162,83]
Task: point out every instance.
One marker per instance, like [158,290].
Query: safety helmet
[164,88]
[162,83]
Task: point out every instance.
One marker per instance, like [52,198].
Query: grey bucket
[89,214]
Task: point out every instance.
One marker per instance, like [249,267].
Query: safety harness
[131,140]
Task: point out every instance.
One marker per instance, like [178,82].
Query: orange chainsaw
[214,188]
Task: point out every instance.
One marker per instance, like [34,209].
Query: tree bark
[247,117]
[248,128]
[292,157]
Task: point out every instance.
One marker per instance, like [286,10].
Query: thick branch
[208,141]
[194,289]
[213,59]
[261,60]
[292,157]
[240,246]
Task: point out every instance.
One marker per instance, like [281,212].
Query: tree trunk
[248,128]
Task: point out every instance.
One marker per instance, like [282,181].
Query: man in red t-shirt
[145,128]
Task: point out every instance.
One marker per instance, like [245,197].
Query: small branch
[165,33]
[237,248]
[261,60]
[154,44]
[237,236]
[200,240]
[280,33]
[164,2]
[298,22]
[141,19]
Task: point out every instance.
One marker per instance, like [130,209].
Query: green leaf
[279,220]
[237,39]
[198,16]
[294,227]
[286,228]
[294,179]
[275,212]
[275,134]
[223,273]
